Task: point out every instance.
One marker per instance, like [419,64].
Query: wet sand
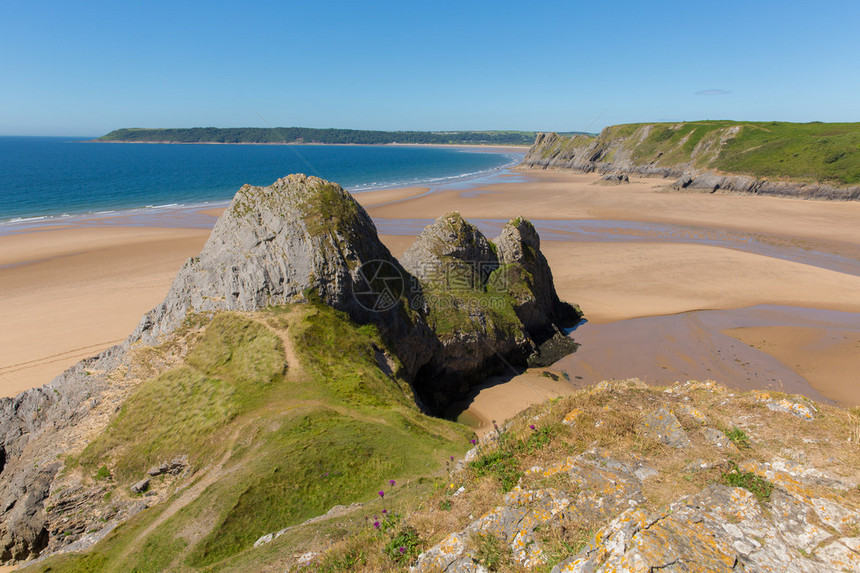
[825,357]
[642,296]
[69,293]
[561,195]
[817,358]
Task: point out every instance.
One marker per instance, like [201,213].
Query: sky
[85,68]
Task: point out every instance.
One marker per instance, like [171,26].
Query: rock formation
[36,427]
[492,305]
[616,178]
[537,305]
[298,238]
[274,244]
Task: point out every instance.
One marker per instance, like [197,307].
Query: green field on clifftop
[825,152]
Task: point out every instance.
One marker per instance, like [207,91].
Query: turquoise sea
[48,178]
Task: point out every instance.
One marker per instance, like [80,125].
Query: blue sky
[87,67]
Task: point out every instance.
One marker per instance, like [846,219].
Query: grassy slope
[826,152]
[286,441]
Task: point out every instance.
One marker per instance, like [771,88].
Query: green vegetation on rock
[804,151]
[230,371]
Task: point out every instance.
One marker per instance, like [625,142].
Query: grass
[102,473]
[738,438]
[454,312]
[607,420]
[405,546]
[328,207]
[332,428]
[759,487]
[491,552]
[504,462]
[501,465]
[227,373]
[287,442]
[808,152]
[454,309]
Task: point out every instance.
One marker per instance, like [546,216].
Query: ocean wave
[136,216]
[443,180]
[165,206]
[26,219]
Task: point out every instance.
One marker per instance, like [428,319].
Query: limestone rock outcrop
[492,305]
[537,303]
[36,427]
[634,506]
[275,244]
[451,253]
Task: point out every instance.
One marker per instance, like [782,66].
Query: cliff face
[704,157]
[299,240]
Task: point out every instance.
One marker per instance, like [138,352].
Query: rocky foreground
[626,477]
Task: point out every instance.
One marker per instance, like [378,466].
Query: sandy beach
[68,293]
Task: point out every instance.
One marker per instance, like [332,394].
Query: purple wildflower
[452,458]
[474,442]
[532,426]
[382,494]
[384,511]
[376,524]
[402,550]
[392,482]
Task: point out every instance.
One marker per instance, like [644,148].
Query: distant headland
[297,135]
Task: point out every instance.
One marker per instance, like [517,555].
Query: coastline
[72,290]
[470,146]
[184,214]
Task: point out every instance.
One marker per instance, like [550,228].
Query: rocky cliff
[299,240]
[761,159]
[275,244]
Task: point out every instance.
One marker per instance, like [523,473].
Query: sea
[53,179]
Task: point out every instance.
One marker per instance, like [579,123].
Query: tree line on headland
[313,135]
